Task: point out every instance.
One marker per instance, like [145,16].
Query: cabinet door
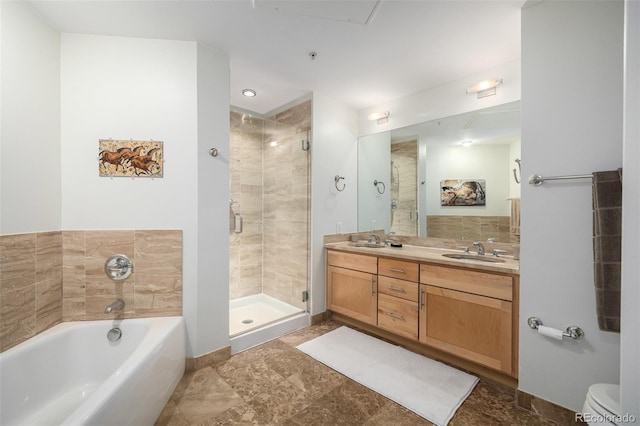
[353,293]
[474,327]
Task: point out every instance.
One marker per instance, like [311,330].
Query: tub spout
[118,305]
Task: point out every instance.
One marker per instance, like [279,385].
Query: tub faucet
[118,305]
[480,248]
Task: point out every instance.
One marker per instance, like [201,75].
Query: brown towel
[514,221]
[607,243]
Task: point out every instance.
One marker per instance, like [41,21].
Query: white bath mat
[428,388]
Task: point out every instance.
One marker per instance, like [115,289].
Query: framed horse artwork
[130,158]
[463,192]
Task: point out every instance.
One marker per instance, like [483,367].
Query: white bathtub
[72,375]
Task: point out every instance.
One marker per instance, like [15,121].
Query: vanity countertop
[431,255]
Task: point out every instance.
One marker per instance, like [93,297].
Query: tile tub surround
[50,277]
[275,383]
[153,290]
[30,285]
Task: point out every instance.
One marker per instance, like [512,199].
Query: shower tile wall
[286,205]
[50,277]
[270,182]
[245,249]
[404,178]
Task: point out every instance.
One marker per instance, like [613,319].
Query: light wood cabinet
[352,287]
[469,314]
[398,296]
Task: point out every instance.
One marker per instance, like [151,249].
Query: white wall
[374,164]
[630,337]
[122,88]
[212,297]
[30,191]
[333,152]
[488,162]
[569,126]
[444,100]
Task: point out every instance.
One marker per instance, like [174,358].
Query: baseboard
[546,409]
[207,360]
[320,318]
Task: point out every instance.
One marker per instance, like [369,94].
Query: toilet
[602,406]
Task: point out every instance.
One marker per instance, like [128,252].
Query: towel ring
[377,183]
[337,179]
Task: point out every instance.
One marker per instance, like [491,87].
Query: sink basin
[464,256]
[369,245]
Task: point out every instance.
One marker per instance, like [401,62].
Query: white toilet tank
[602,405]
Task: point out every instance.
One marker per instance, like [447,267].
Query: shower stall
[269,213]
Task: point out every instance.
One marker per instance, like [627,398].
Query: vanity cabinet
[398,297]
[469,314]
[352,285]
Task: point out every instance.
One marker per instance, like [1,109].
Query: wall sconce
[485,88]
[381,117]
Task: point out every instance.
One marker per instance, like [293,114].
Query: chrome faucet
[377,238]
[480,248]
[118,305]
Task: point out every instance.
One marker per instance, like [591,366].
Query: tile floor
[275,383]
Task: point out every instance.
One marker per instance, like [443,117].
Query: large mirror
[455,177]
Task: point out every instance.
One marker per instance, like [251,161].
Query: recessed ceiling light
[249,92]
[466,144]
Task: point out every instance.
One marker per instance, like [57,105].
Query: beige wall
[50,277]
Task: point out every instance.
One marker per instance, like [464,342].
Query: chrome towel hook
[377,184]
[337,179]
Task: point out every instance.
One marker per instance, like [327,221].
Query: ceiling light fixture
[484,88]
[248,92]
[466,144]
[381,117]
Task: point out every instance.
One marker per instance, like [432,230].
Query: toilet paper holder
[573,331]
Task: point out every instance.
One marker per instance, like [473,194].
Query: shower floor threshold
[269,332]
[252,312]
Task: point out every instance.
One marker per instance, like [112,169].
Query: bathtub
[72,374]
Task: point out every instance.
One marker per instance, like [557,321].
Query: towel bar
[537,180]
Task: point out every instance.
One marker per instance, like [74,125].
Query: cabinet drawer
[475,282]
[398,315]
[398,288]
[398,269]
[357,262]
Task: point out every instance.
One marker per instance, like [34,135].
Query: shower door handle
[237,223]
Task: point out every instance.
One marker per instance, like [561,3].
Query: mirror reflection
[455,177]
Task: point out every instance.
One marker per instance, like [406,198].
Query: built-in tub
[72,374]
